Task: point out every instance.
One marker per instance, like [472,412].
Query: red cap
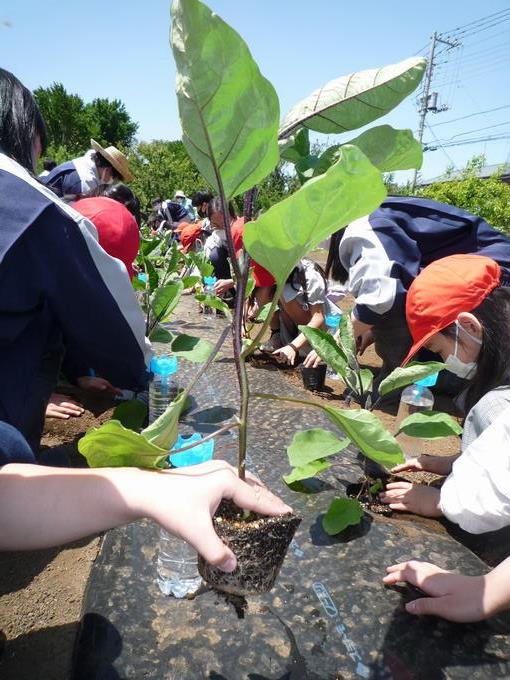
[117,230]
[443,290]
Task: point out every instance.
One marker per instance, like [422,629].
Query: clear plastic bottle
[177,560]
[332,322]
[415,398]
[163,388]
[209,282]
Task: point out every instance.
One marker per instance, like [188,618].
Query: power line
[476,21]
[440,145]
[471,115]
[487,127]
[477,140]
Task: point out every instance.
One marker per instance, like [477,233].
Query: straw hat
[116,158]
[179,194]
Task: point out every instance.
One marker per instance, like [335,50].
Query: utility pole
[425,101]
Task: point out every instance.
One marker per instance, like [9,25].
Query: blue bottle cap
[142,277]
[209,280]
[333,320]
[164,365]
[429,381]
[200,453]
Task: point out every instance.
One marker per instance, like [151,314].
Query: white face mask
[462,369]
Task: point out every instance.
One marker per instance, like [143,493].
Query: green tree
[110,123]
[160,168]
[489,198]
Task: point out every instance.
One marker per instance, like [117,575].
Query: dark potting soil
[259,543]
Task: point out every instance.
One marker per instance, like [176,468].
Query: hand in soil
[421,500]
[453,597]
[96,384]
[183,501]
[439,465]
[62,406]
[312,360]
[286,355]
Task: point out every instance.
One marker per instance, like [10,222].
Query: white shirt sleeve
[476,495]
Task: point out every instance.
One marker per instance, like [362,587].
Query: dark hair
[200,197]
[334,267]
[49,164]
[123,194]
[214,206]
[155,201]
[101,162]
[493,364]
[20,121]
[297,276]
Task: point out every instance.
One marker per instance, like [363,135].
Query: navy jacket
[385,251]
[58,286]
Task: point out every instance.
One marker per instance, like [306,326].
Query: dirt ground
[41,592]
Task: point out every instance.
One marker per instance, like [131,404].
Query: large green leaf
[313,444]
[342,512]
[367,378]
[368,433]
[166,298]
[163,431]
[327,348]
[148,245]
[214,302]
[306,471]
[352,101]
[160,334]
[388,149]
[200,261]
[113,445]
[191,348]
[347,336]
[229,111]
[401,377]
[350,189]
[430,425]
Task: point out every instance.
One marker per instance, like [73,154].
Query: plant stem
[254,343]
[225,428]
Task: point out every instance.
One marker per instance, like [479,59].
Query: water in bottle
[209,282]
[163,388]
[415,398]
[177,560]
[332,322]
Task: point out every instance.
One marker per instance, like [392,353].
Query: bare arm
[43,506]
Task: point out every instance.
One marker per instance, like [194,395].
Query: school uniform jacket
[73,178]
[385,251]
[58,284]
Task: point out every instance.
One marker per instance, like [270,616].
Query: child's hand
[312,359]
[439,465]
[421,500]
[286,355]
[223,285]
[453,597]
[96,384]
[61,406]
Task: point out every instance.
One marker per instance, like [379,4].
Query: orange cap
[443,290]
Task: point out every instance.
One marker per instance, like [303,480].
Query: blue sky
[120,50]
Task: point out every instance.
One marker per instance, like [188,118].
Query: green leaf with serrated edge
[327,348]
[342,513]
[190,281]
[295,147]
[352,101]
[163,431]
[131,414]
[113,445]
[367,432]
[313,444]
[218,83]
[160,334]
[191,348]
[166,299]
[430,425]
[148,245]
[388,149]
[306,471]
[401,377]
[213,302]
[350,189]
